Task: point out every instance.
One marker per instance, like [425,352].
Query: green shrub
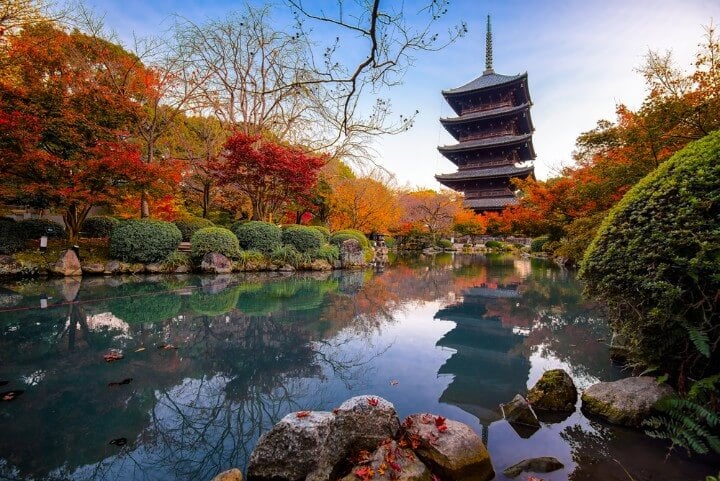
[214,239]
[98,226]
[143,240]
[303,238]
[444,244]
[338,237]
[287,254]
[36,228]
[11,240]
[390,241]
[256,235]
[655,263]
[326,252]
[323,230]
[537,244]
[189,225]
[176,259]
[494,244]
[247,257]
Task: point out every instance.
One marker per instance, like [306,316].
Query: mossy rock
[554,391]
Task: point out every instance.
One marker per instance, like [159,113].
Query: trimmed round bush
[11,239]
[537,244]
[144,240]
[444,243]
[36,228]
[214,239]
[655,263]
[338,237]
[494,244]
[302,238]
[257,235]
[189,225]
[99,226]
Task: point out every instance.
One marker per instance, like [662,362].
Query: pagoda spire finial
[488,49]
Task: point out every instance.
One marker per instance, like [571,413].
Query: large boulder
[233,474]
[351,254]
[554,391]
[68,264]
[521,416]
[214,263]
[296,448]
[627,402]
[390,463]
[363,422]
[449,448]
[93,268]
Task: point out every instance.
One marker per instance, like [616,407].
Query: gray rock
[351,254]
[112,267]
[455,453]
[154,268]
[319,265]
[68,264]
[214,263]
[554,391]
[521,416]
[544,464]
[286,268]
[392,463]
[233,474]
[295,448]
[182,269]
[9,266]
[363,422]
[627,402]
[93,268]
[131,268]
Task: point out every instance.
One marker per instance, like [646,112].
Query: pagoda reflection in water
[489,366]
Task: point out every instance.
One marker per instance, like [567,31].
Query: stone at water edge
[112,267]
[68,264]
[351,254]
[410,467]
[233,474]
[521,416]
[214,263]
[93,268]
[456,454]
[543,464]
[627,402]
[363,422]
[554,391]
[295,448]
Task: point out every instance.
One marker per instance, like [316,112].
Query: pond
[211,363]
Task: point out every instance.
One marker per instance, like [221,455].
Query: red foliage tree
[271,175]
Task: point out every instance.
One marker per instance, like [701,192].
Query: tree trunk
[74,216]
[205,200]
[144,206]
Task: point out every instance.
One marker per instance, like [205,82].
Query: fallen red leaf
[365,473]
[302,414]
[395,466]
[373,401]
[408,422]
[336,410]
[427,419]
[442,428]
[113,356]
[439,421]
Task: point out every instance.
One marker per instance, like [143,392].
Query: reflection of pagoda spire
[487,369]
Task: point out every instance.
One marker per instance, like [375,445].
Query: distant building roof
[502,171]
[485,114]
[487,80]
[490,203]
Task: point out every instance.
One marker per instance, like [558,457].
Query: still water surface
[453,335]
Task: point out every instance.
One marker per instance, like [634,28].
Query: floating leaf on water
[119,442]
[166,346]
[127,380]
[10,395]
[113,356]
[139,349]
[394,382]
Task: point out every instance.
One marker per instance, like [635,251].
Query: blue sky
[580,57]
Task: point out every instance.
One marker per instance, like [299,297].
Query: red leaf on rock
[365,473]
[395,466]
[302,414]
[407,423]
[373,401]
[439,421]
[442,428]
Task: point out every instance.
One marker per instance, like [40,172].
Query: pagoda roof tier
[490,203]
[486,173]
[475,120]
[487,143]
[486,81]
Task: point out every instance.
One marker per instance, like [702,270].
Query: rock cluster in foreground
[627,402]
[363,439]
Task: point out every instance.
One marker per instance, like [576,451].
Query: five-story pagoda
[494,133]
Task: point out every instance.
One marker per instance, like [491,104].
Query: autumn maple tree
[64,125]
[271,175]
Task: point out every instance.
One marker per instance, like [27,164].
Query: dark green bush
[444,243]
[326,252]
[537,244]
[494,244]
[11,239]
[338,237]
[323,230]
[98,226]
[36,228]
[287,254]
[189,225]
[303,238]
[214,239]
[655,263]
[144,240]
[256,235]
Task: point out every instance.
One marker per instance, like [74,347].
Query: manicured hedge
[655,263]
[323,230]
[337,238]
[303,238]
[99,226]
[144,240]
[214,239]
[537,244]
[11,239]
[189,225]
[36,228]
[494,244]
[256,235]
